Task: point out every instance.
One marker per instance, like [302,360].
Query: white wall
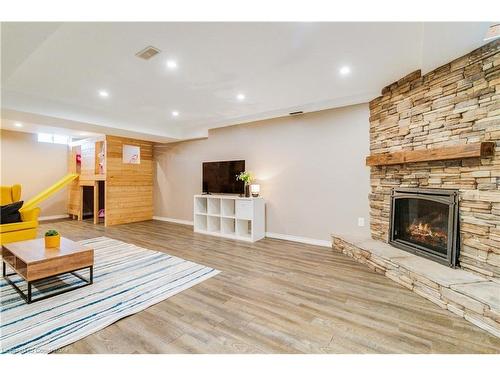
[35,166]
[311,169]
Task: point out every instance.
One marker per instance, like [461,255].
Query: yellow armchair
[24,230]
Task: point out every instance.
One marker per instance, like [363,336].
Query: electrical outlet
[361,221]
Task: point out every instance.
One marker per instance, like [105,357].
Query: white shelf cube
[200,205]
[200,222]
[228,226]
[213,206]
[213,224]
[244,228]
[227,207]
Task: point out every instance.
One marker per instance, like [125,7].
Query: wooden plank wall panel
[129,187]
[74,206]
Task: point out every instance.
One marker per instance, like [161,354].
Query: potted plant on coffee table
[52,239]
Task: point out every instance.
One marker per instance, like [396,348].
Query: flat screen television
[219,177]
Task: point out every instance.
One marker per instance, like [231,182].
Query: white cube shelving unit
[230,216]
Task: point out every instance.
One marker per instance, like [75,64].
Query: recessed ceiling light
[83,134]
[171,64]
[175,113]
[18,125]
[345,70]
[103,93]
[240,97]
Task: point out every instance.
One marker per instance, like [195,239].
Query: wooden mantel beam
[471,150]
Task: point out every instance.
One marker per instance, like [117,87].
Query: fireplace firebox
[425,222]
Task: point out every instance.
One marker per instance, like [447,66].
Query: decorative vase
[52,241]
[247,190]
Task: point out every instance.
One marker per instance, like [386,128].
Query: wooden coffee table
[34,263]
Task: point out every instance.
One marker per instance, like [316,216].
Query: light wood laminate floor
[274,296]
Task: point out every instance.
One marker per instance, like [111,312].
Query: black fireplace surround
[425,222]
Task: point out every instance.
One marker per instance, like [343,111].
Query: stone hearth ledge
[473,297]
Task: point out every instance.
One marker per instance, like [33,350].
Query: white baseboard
[53,217]
[171,220]
[306,240]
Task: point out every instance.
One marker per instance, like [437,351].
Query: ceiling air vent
[296,113]
[148,53]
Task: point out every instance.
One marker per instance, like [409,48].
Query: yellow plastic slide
[49,191]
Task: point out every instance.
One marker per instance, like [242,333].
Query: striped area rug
[127,279]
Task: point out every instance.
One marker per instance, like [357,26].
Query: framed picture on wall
[131,154]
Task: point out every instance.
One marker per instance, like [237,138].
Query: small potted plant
[247,178]
[52,239]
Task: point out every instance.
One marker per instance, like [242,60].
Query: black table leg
[29,292]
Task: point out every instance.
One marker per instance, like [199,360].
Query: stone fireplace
[435,187]
[420,130]
[425,222]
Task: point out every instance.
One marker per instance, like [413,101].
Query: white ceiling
[52,72]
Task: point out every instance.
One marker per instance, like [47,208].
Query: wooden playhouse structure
[115,180]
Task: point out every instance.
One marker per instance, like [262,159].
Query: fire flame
[424,231]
